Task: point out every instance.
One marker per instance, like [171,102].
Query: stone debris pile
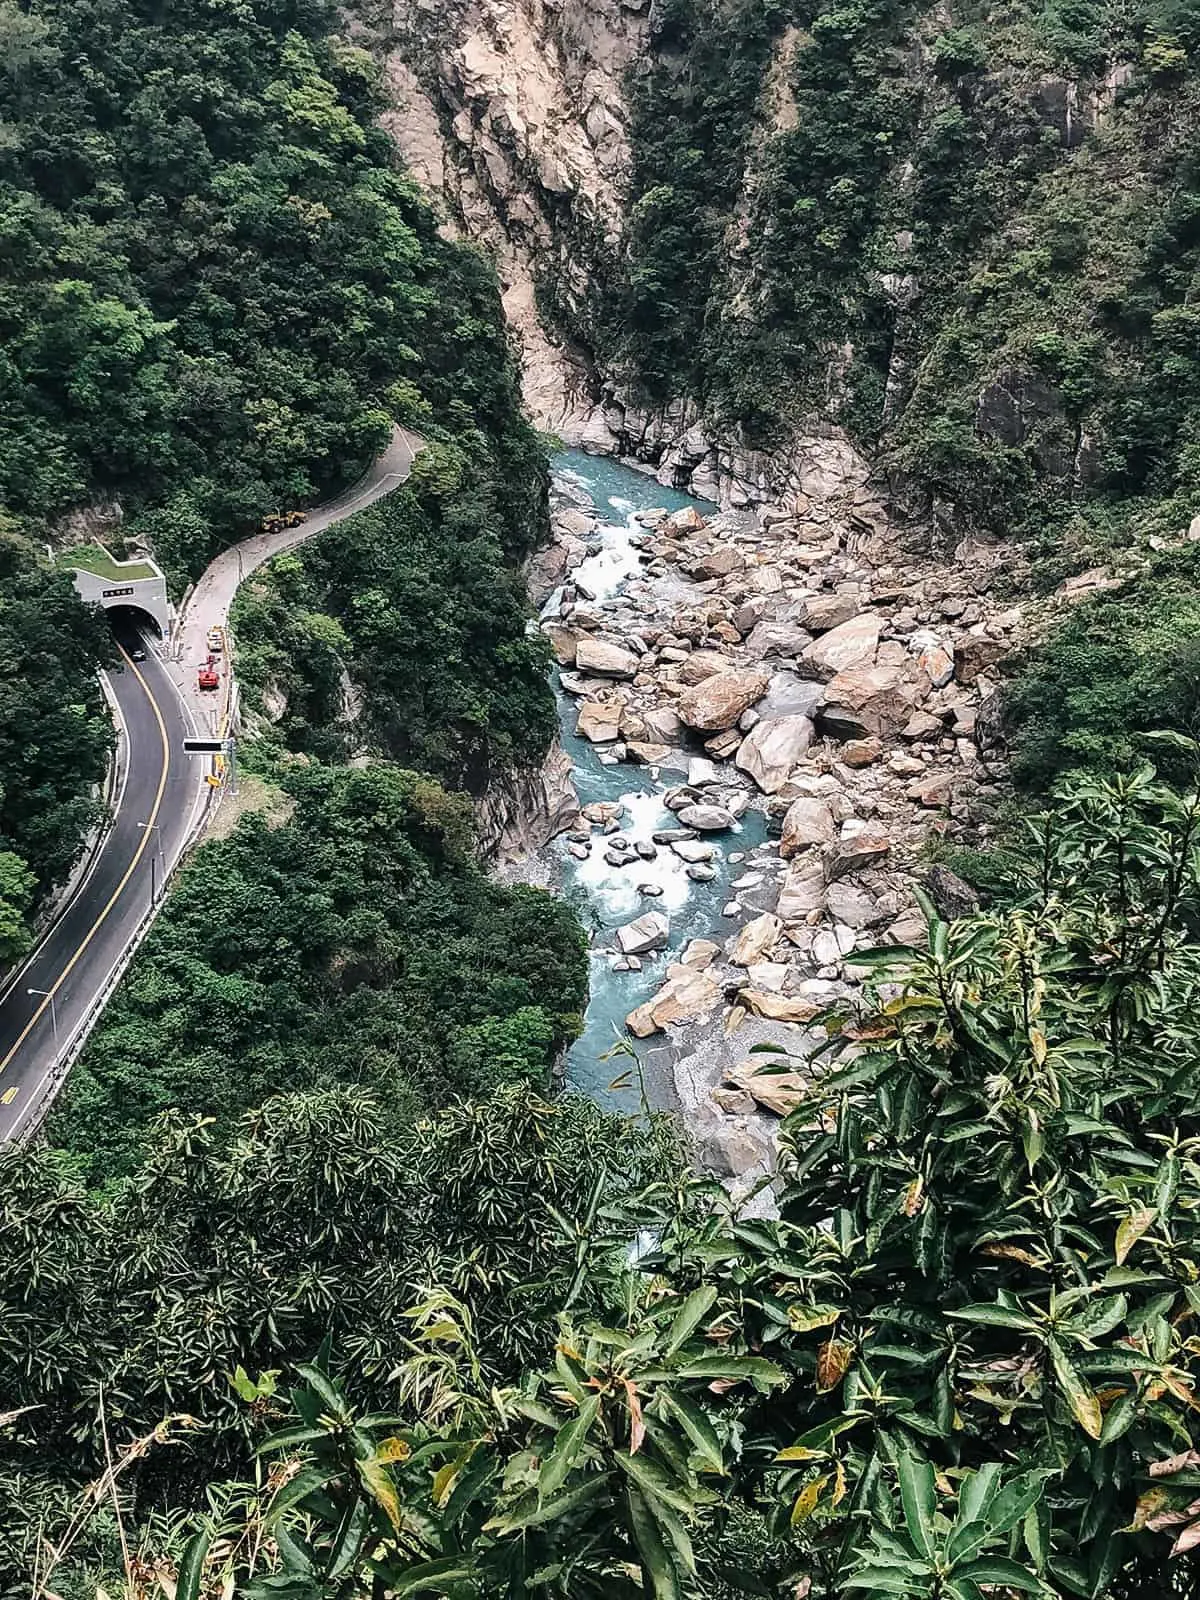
[786,663]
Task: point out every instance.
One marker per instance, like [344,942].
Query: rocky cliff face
[827,237]
[514,114]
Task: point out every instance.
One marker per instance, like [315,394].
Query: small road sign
[207,747]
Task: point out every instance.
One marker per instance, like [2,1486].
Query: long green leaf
[432,1577]
[698,1429]
[654,1480]
[996,1317]
[919,1500]
[754,1369]
[1014,1500]
[689,1316]
[999,1569]
[309,1480]
[567,1446]
[191,1565]
[651,1547]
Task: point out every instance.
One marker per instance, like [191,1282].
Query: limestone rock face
[772,748]
[852,644]
[605,660]
[719,701]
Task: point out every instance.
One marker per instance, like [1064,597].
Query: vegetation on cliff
[356,942]
[221,291]
[958,1363]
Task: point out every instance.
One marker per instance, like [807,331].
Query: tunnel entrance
[130,586]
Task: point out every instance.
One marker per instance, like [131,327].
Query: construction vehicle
[279,520]
[215,641]
[208,678]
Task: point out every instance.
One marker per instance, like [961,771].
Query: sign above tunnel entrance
[111,594]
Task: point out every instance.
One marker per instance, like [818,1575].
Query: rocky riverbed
[770,719]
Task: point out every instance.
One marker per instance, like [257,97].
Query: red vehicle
[207,677]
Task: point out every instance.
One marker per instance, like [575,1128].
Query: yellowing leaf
[833,1362]
[1037,1043]
[839,1484]
[1013,1252]
[443,1482]
[1132,1229]
[799,1452]
[378,1483]
[806,1500]
[913,1197]
[394,1449]
[1083,1403]
[804,1318]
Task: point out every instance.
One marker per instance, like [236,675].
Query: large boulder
[822,612]
[847,856]
[662,724]
[776,639]
[604,659]
[706,818]
[645,933]
[563,641]
[803,891]
[865,701]
[718,563]
[703,664]
[772,748]
[718,702]
[808,821]
[776,1091]
[687,993]
[756,940]
[789,695]
[779,1007]
[599,720]
[851,644]
[975,654]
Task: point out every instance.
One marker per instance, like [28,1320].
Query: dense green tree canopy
[357,941]
[215,271]
[319,1214]
[55,731]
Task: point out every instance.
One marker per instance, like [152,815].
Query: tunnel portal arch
[137,584]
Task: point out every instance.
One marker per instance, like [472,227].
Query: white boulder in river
[604,659]
[706,818]
[645,933]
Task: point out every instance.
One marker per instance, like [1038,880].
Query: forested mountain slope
[219,290]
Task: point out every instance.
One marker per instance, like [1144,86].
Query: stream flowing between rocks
[608,896]
[719,670]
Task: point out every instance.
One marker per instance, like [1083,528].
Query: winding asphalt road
[48,1007]
[49,1002]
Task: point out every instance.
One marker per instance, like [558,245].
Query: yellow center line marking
[143,842]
